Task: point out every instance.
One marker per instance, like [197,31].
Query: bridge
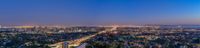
[77,42]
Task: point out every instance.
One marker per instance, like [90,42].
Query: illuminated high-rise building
[65,45]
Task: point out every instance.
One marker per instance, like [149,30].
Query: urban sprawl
[113,36]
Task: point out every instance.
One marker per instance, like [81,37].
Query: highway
[79,41]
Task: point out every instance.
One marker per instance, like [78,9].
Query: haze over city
[86,12]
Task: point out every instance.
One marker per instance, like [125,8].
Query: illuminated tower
[65,45]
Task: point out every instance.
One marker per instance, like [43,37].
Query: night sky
[99,12]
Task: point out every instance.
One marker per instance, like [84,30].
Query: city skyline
[99,23]
[95,12]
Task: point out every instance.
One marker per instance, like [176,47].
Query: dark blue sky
[100,11]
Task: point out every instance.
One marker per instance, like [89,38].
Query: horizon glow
[93,12]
